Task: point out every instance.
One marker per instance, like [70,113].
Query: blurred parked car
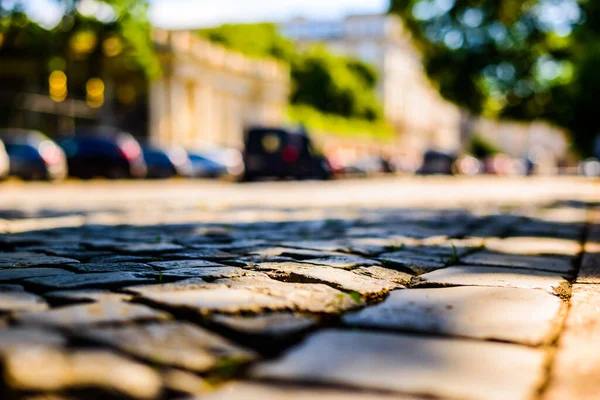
[232,159]
[166,163]
[282,153]
[33,156]
[502,164]
[437,162]
[590,167]
[204,167]
[4,162]
[105,153]
[467,165]
[368,166]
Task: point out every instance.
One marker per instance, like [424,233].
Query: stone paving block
[14,300]
[208,273]
[17,337]
[176,344]
[534,246]
[342,262]
[184,383]
[119,258]
[90,314]
[178,264]
[321,245]
[411,364]
[305,297]
[148,248]
[8,275]
[8,287]
[298,254]
[250,262]
[372,246]
[576,367]
[199,254]
[109,267]
[37,369]
[102,280]
[224,300]
[524,316]
[274,325]
[100,243]
[26,259]
[386,274]
[70,252]
[261,391]
[543,263]
[415,263]
[344,280]
[495,276]
[186,284]
[91,296]
[447,249]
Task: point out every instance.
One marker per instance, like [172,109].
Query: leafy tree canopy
[520,59]
[328,83]
[87,28]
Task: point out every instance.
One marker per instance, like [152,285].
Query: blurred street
[147,202]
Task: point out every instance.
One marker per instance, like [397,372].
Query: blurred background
[298,89]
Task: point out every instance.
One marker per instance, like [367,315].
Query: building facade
[207,95]
[422,118]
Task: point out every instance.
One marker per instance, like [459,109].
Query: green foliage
[130,25]
[257,40]
[482,148]
[332,84]
[520,59]
[318,121]
[328,83]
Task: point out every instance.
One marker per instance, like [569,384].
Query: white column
[202,120]
[159,111]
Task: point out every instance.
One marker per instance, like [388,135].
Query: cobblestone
[508,314]
[174,300]
[554,264]
[175,344]
[492,276]
[88,314]
[409,364]
[14,299]
[27,259]
[274,325]
[51,369]
[104,280]
[257,391]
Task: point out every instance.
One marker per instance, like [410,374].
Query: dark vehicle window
[22,151]
[156,157]
[89,147]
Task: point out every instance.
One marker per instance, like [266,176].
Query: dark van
[282,153]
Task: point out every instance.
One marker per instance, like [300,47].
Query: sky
[196,13]
[190,13]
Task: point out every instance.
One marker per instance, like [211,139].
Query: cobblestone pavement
[184,300]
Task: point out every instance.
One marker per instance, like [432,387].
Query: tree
[328,83]
[123,21]
[257,40]
[334,85]
[518,59]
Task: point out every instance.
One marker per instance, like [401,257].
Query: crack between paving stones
[553,347]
